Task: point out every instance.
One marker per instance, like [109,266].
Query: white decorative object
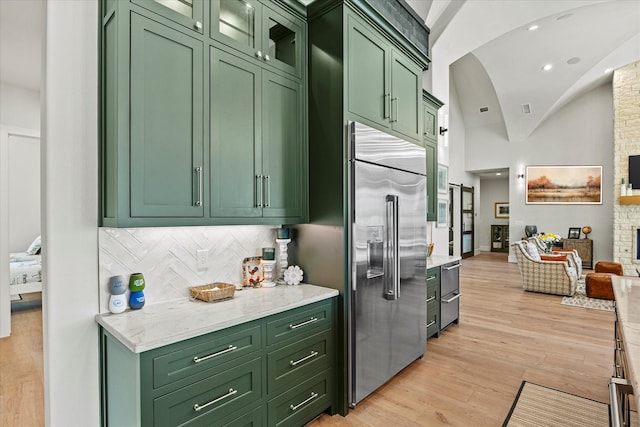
[293,275]
[282,258]
[267,272]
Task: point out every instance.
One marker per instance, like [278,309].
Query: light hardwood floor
[468,377]
[21,370]
[471,374]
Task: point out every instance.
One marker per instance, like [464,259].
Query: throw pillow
[562,258]
[34,247]
[533,251]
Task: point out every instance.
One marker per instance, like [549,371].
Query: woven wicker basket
[212,292]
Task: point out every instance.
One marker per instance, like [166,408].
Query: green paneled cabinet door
[430,139]
[384,86]
[236,124]
[283,155]
[257,152]
[367,67]
[406,101]
[166,154]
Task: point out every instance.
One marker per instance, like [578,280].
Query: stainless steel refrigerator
[388,241]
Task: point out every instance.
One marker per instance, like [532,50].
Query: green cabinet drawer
[299,323]
[215,397]
[433,276]
[191,357]
[296,362]
[246,419]
[433,318]
[301,403]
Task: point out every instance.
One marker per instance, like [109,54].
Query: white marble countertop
[156,325]
[438,260]
[627,293]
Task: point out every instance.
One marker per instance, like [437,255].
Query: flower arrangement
[549,239]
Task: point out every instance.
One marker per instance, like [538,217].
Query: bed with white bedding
[25,270]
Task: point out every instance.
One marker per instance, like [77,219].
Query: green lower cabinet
[211,399]
[252,374]
[300,404]
[433,302]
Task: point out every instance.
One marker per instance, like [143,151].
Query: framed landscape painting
[578,185]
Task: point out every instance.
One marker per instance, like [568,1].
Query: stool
[609,267]
[598,285]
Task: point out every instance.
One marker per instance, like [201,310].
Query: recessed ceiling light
[498,174]
[608,70]
[565,16]
[573,60]
[533,27]
[547,67]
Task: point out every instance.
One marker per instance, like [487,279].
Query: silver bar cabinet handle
[453,298]
[395,98]
[197,407]
[301,324]
[431,298]
[268,180]
[304,402]
[453,267]
[259,190]
[430,324]
[219,353]
[199,173]
[386,101]
[310,356]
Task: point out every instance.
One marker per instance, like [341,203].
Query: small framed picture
[443,213]
[443,179]
[574,233]
[501,210]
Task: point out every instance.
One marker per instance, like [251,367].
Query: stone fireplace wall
[626,106]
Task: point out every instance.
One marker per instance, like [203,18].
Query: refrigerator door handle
[392,259]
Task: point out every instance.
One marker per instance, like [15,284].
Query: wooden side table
[584,248]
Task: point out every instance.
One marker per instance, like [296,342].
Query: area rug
[580,299]
[539,406]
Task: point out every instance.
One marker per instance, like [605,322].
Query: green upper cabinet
[256,134]
[383,84]
[283,156]
[188,13]
[406,103]
[430,134]
[166,164]
[274,38]
[368,73]
[195,129]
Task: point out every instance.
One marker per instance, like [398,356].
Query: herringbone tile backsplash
[167,256]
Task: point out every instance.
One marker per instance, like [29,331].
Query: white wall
[581,133]
[493,191]
[24,191]
[19,107]
[70,210]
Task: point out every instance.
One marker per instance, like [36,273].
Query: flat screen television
[634,171]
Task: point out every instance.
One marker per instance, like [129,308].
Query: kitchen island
[626,291]
[263,357]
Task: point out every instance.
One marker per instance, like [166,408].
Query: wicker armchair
[572,255]
[550,277]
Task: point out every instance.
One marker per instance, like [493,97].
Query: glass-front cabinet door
[269,37]
[188,13]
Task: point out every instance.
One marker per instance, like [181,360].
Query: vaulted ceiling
[503,73]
